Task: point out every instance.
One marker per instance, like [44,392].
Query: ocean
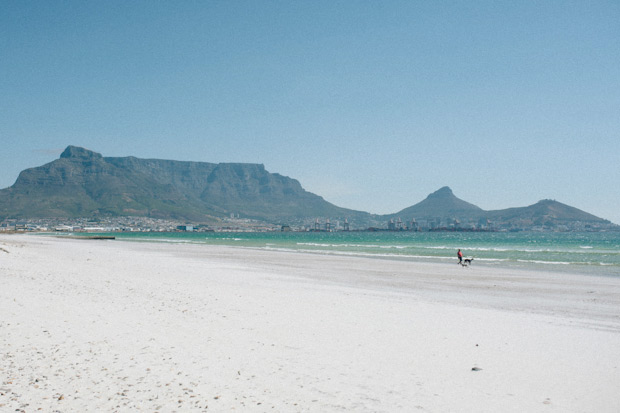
[586,253]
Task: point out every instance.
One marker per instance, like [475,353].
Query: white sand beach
[91,325]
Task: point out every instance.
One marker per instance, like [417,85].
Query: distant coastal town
[238,224]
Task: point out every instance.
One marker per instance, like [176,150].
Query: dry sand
[89,325]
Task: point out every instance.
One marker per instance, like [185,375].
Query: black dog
[467,262]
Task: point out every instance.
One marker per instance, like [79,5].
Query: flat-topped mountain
[83,183]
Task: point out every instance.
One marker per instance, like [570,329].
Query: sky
[372,105]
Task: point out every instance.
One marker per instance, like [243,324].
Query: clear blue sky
[371,104]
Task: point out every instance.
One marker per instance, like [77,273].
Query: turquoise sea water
[588,253]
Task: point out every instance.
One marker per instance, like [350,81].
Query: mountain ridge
[84,183]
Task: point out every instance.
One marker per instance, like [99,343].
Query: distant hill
[444,206]
[82,183]
[546,213]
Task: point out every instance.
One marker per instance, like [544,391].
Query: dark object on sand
[466,262]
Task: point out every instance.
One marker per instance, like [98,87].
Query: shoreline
[145,326]
[509,262]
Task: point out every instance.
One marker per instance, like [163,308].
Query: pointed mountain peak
[441,203]
[547,202]
[444,192]
[75,152]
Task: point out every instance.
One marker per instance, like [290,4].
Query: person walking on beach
[460,255]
